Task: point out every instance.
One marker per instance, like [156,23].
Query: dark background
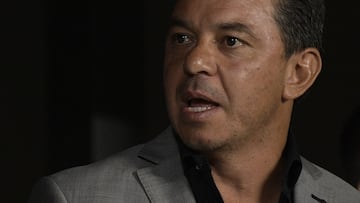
[80,80]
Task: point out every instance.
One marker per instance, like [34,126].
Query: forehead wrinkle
[182,23]
[222,16]
[246,20]
[177,22]
[223,26]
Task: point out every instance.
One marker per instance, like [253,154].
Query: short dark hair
[301,24]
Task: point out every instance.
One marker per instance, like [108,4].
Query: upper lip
[189,95]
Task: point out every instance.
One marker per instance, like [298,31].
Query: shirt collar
[293,166]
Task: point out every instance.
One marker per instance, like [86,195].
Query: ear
[302,71]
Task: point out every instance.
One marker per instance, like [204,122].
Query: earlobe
[302,71]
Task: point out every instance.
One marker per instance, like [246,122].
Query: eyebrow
[176,22]
[225,26]
[236,26]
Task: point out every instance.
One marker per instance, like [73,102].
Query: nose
[200,60]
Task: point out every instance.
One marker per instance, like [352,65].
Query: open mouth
[197,105]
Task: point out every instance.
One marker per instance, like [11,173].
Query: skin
[230,90]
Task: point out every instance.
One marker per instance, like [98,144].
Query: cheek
[172,69]
[169,89]
[172,77]
[250,88]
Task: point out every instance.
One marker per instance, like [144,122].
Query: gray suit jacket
[152,172]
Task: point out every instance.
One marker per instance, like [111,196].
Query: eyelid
[174,36]
[179,28]
[239,41]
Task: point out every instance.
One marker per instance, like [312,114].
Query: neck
[254,176]
[252,171]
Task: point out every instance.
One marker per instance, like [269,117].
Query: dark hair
[301,24]
[350,151]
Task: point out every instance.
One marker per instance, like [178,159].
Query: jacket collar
[307,188]
[164,179]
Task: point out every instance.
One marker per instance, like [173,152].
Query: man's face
[224,71]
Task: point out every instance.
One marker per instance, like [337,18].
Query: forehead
[250,11]
[257,16]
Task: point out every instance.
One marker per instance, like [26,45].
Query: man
[233,70]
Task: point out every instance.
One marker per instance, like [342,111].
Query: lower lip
[199,113]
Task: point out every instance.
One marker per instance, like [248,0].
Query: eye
[181,38]
[233,41]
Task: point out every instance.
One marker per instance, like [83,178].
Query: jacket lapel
[164,180]
[165,183]
[307,189]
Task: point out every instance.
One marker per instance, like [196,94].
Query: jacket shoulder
[107,180]
[113,179]
[116,164]
[320,183]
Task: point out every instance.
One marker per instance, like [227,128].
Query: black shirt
[198,173]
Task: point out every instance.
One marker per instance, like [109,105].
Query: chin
[203,143]
[201,137]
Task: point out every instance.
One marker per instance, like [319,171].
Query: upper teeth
[199,108]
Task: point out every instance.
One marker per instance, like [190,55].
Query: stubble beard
[214,143]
